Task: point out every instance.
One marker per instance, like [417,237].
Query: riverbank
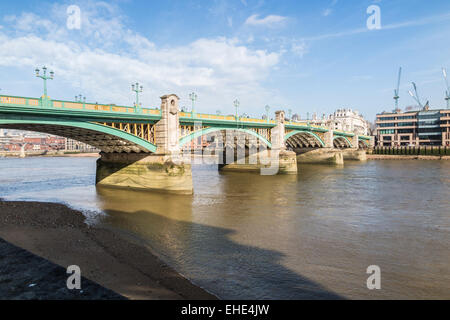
[59,234]
[404,157]
[26,276]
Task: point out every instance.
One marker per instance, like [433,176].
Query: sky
[307,56]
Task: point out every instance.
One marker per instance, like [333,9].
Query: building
[413,128]
[74,145]
[15,140]
[344,120]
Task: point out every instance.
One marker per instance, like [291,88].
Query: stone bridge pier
[355,153]
[326,155]
[256,157]
[165,170]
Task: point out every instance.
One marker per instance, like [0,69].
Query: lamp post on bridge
[193,96]
[267,112]
[45,99]
[45,77]
[82,99]
[290,115]
[138,89]
[236,105]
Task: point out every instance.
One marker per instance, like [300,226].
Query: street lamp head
[52,74]
[142,88]
[236,103]
[37,72]
[132,87]
[267,108]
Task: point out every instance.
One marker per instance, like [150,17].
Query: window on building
[387,131]
[384,125]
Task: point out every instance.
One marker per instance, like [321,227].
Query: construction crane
[415,96]
[396,92]
[447,93]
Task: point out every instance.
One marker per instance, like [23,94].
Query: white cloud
[110,57]
[327,12]
[268,21]
[299,48]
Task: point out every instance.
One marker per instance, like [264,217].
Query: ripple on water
[279,237]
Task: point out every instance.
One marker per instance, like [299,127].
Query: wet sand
[40,240]
[25,276]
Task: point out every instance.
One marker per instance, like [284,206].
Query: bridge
[147,147]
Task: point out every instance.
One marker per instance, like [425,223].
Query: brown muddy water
[246,236]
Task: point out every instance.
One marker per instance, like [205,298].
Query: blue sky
[308,56]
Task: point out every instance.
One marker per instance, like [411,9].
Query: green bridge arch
[364,141]
[345,138]
[294,132]
[144,145]
[205,131]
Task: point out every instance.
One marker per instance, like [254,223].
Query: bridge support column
[355,142]
[328,139]
[371,145]
[166,170]
[277,160]
[322,156]
[355,153]
[326,155]
[287,160]
[268,162]
[142,171]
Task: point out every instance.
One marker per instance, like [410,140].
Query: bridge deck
[44,108]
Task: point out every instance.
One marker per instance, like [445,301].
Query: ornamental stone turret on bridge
[152,149]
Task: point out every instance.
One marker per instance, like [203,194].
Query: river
[246,236]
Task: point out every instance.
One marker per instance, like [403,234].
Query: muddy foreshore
[40,240]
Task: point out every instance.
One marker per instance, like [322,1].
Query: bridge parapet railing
[19,101]
[201,116]
[343,133]
[47,103]
[73,105]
